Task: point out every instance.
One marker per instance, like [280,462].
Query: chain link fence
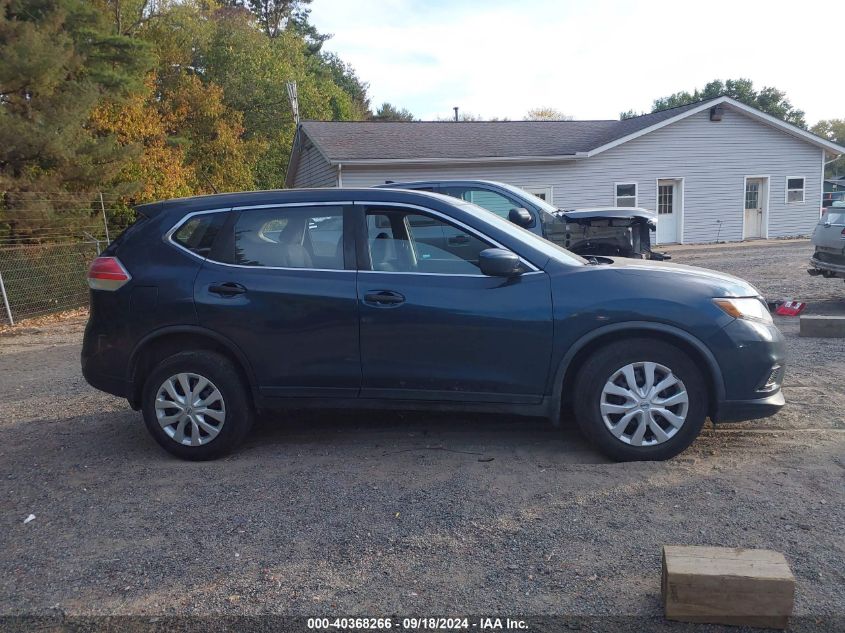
[47,242]
[39,280]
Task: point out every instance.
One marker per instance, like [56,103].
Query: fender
[633,326]
[201,331]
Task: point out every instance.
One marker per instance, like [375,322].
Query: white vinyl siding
[314,170]
[713,158]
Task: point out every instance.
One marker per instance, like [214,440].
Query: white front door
[755,206]
[668,211]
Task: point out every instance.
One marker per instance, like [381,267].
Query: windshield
[545,206]
[545,246]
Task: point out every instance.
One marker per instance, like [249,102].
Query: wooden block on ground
[815,325]
[722,585]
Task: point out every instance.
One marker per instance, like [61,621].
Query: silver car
[829,240]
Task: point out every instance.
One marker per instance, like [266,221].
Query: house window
[626,194]
[795,189]
[544,193]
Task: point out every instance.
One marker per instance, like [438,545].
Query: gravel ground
[389,513]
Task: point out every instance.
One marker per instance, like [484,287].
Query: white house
[713,170]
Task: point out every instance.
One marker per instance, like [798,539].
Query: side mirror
[497,262]
[521,217]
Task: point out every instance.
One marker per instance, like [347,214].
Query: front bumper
[752,358]
[740,410]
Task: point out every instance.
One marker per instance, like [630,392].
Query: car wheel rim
[190,409]
[644,404]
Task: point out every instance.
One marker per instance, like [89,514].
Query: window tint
[199,232]
[290,237]
[416,243]
[490,200]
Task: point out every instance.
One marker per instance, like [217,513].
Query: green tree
[832,130]
[59,60]
[346,78]
[768,99]
[629,114]
[276,16]
[253,69]
[389,112]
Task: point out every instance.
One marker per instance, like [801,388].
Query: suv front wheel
[196,406]
[640,400]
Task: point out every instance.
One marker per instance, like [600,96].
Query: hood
[616,213]
[710,281]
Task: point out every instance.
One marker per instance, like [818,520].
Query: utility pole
[456,112]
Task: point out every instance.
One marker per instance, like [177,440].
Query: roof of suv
[280,196]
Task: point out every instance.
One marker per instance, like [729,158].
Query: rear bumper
[110,384]
[828,269]
[740,410]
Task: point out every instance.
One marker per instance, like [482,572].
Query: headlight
[750,308]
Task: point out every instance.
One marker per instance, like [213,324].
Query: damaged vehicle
[828,260]
[601,231]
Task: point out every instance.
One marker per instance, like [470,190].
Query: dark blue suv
[209,309]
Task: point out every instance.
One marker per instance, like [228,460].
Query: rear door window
[290,237]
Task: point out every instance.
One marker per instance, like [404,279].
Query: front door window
[401,241]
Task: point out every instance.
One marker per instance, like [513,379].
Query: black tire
[603,364]
[235,396]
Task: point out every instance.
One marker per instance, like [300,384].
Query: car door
[433,327]
[277,284]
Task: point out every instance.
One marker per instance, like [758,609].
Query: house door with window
[668,211]
[756,197]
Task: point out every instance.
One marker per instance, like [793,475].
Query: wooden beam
[722,585]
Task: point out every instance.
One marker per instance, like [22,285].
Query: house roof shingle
[373,140]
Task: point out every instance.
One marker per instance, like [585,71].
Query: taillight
[107,273]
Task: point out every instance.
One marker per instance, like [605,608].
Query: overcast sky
[589,59]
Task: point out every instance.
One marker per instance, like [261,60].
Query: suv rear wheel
[196,406]
[640,400]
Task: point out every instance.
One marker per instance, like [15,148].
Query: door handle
[227,289]
[384,298]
